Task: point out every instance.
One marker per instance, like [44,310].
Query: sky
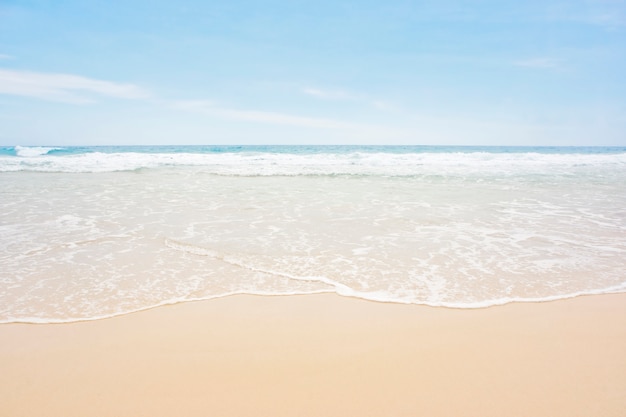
[536,72]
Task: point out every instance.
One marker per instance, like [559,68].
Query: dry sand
[323,355]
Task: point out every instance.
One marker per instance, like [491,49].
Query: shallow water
[94,232]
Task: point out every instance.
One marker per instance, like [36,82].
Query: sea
[94,232]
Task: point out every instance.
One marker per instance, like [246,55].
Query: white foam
[172,301]
[93,246]
[356,163]
[380,297]
[436,287]
[196,250]
[31,151]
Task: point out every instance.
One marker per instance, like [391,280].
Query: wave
[32,151]
[42,159]
[379,298]
[340,288]
[382,296]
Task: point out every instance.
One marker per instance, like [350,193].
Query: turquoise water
[302,149]
[93,232]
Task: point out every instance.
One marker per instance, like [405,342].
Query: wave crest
[40,159]
[32,151]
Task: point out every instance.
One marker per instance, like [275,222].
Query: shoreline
[475,306]
[323,354]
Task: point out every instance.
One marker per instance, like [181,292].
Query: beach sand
[323,355]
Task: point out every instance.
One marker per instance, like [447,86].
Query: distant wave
[43,159]
[31,151]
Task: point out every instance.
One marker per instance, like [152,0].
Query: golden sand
[323,355]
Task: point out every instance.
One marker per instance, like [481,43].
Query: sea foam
[352,163]
[112,231]
[31,151]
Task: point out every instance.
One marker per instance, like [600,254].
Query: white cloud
[340,95]
[538,63]
[65,88]
[258,116]
[6,57]
[328,94]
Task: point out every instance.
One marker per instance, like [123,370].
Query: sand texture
[323,355]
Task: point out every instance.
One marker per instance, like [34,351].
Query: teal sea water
[94,232]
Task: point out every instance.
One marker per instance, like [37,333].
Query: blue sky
[324,72]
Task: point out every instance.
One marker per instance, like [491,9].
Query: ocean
[94,232]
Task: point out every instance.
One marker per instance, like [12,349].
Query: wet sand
[323,355]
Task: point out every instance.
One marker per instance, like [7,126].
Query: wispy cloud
[6,57]
[328,94]
[75,89]
[258,116]
[538,63]
[67,88]
[341,95]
